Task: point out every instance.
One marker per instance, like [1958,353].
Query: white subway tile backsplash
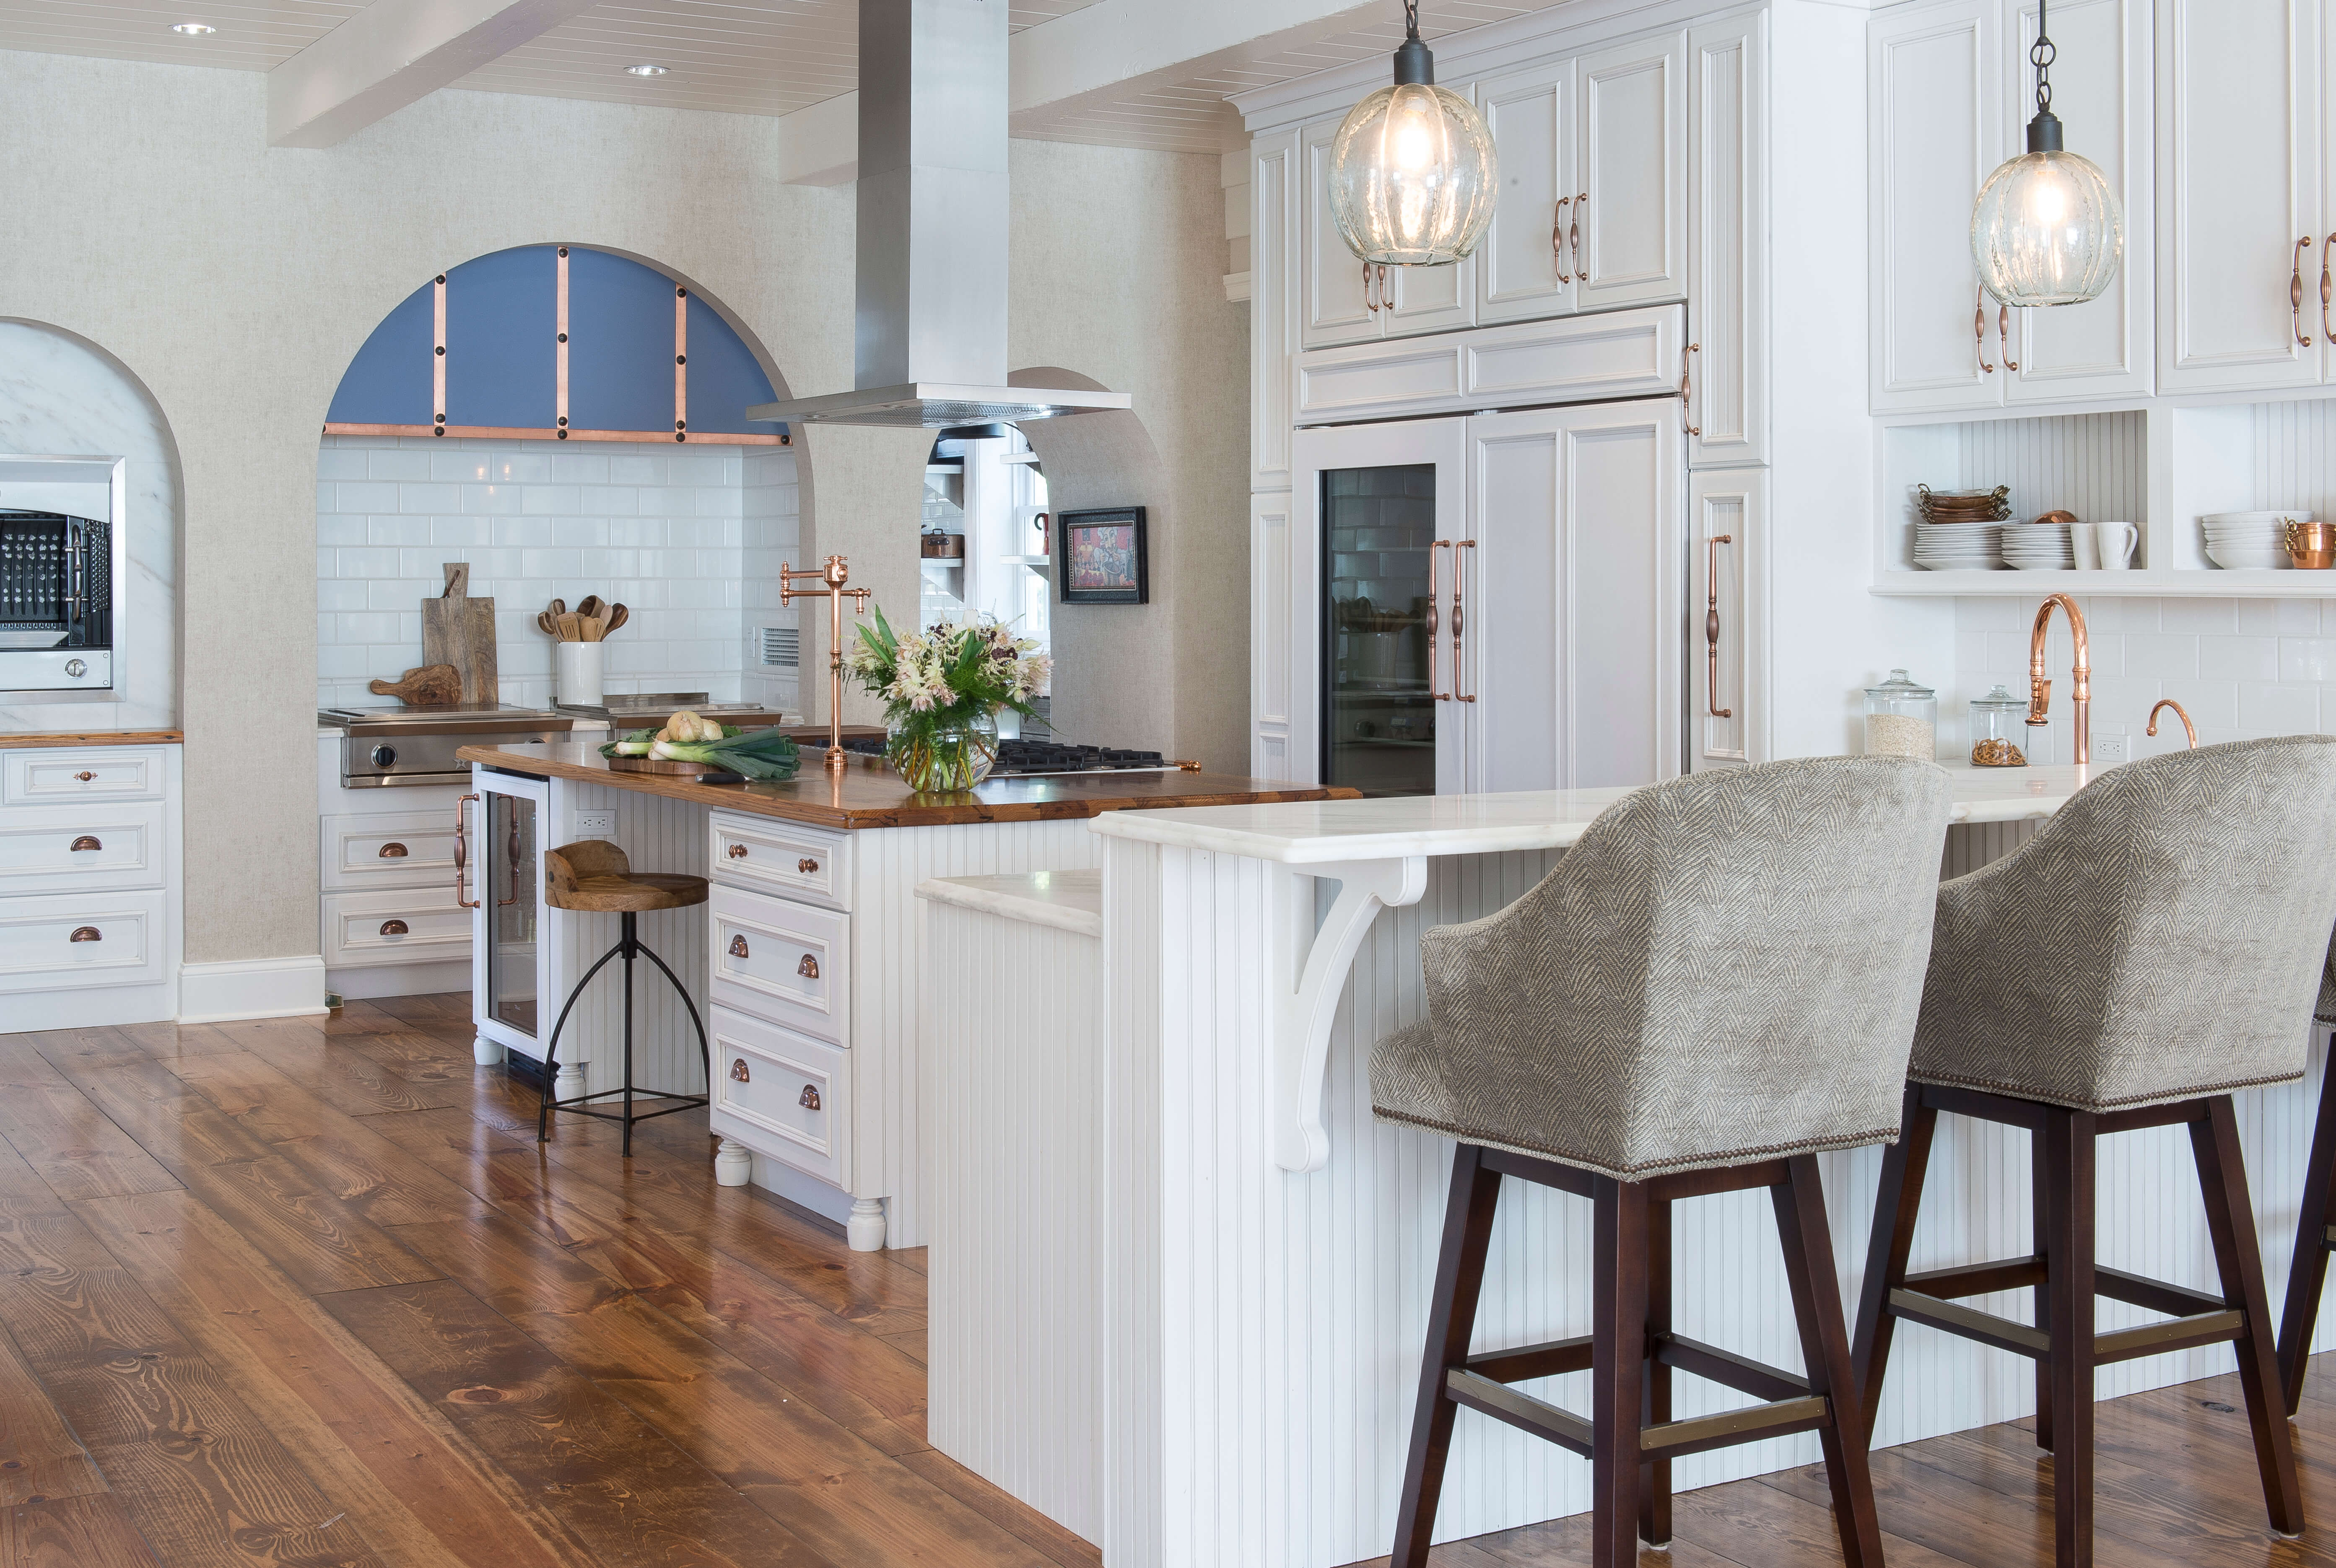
[537,520]
[2205,617]
[2238,658]
[2307,659]
[2165,655]
[2278,710]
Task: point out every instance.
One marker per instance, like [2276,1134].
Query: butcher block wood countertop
[867,795]
[29,738]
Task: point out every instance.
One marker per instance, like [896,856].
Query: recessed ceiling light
[646,70]
[192,29]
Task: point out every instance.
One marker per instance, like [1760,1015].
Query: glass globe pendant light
[2046,228]
[1413,173]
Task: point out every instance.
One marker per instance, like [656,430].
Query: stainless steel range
[416,745]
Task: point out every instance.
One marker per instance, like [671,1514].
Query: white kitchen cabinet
[1275,180]
[1633,203]
[1568,675]
[1728,647]
[2239,95]
[1524,265]
[1617,354]
[1726,371]
[388,922]
[1339,305]
[1271,580]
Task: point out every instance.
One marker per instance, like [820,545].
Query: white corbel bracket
[1303,1015]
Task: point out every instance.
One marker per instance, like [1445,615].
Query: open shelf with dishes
[2161,467]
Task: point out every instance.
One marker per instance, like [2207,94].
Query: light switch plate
[595,824]
[2109,750]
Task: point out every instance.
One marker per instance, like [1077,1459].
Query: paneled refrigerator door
[1571,597]
[499,877]
[1378,530]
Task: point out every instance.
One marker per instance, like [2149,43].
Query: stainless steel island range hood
[933,216]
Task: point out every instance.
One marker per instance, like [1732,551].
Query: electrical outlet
[2109,750]
[595,824]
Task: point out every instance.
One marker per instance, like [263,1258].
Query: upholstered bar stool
[592,876]
[1717,983]
[2315,1223]
[2149,950]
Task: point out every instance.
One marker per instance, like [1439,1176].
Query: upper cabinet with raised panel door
[2244,218]
[1632,204]
[1950,90]
[1341,300]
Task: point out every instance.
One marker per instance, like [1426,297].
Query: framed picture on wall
[1100,557]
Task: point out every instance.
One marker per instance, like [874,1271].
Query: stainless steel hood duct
[931,343]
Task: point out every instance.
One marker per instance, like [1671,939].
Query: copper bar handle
[86,934]
[1687,390]
[807,866]
[1435,599]
[1557,238]
[1370,301]
[391,851]
[84,776]
[1581,268]
[393,928]
[511,847]
[2295,294]
[1386,301]
[808,968]
[2188,727]
[739,1071]
[1459,575]
[809,1097]
[737,947]
[462,850]
[1711,625]
[2326,330]
[1979,330]
[86,841]
[2003,336]
[737,852]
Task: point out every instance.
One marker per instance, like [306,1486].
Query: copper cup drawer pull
[85,842]
[392,852]
[737,947]
[737,852]
[808,968]
[738,1073]
[807,866]
[86,934]
[85,776]
[393,928]
[809,1097]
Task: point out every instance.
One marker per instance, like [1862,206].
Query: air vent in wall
[782,647]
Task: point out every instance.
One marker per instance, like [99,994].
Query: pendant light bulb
[2047,228]
[1413,171]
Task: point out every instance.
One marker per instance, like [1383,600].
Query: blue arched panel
[501,322]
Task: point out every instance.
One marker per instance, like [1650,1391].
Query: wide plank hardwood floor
[306,1294]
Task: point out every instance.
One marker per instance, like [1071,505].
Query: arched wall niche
[64,395]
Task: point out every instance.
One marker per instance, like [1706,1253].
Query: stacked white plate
[1958,547]
[2241,541]
[2039,547]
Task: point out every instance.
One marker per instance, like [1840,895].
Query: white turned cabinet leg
[865,1229]
[486,1053]
[733,1166]
[569,1083]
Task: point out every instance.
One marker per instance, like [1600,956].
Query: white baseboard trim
[251,988]
[366,983]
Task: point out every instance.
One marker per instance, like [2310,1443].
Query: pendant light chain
[1411,18]
[2041,54]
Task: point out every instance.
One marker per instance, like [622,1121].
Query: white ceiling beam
[1104,49]
[391,54]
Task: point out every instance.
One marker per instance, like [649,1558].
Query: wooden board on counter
[31,737]
[867,795]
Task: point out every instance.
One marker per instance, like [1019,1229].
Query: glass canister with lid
[1901,719]
[1996,720]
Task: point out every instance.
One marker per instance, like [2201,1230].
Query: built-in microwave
[61,566]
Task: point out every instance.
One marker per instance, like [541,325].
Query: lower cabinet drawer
[782,961]
[795,1089]
[392,849]
[782,857]
[77,939]
[395,925]
[101,847]
[40,777]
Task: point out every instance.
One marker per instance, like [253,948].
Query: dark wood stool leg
[2307,1277]
[2069,1149]
[630,941]
[2040,1229]
[2231,1220]
[1617,1370]
[1655,1405]
[1824,1350]
[544,1102]
[1451,1319]
[1896,1203]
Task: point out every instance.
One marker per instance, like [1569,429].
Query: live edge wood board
[91,738]
[865,794]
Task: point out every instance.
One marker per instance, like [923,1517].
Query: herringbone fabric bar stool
[1720,981]
[2149,950]
[2315,1223]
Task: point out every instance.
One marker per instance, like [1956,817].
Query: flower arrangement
[943,688]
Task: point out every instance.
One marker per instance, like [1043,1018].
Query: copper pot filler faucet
[2039,685]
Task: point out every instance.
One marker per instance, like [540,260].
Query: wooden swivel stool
[592,876]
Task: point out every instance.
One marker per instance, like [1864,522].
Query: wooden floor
[307,1294]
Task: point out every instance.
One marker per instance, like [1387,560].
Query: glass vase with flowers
[943,688]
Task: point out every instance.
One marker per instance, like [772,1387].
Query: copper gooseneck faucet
[2039,685]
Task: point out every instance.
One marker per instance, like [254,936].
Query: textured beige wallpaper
[236,281]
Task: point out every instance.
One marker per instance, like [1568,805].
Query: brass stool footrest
[2202,1319]
[1666,1440]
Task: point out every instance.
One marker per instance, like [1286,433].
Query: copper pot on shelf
[2310,546]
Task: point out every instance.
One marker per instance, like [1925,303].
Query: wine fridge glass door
[1379,702]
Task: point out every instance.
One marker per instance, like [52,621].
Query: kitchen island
[1263,1252]
[804,963]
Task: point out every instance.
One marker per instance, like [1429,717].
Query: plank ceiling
[769,57]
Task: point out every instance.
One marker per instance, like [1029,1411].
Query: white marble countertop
[1318,832]
[1066,900]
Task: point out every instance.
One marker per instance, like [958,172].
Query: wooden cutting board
[459,630]
[430,686]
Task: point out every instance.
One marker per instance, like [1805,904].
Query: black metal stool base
[628,946]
